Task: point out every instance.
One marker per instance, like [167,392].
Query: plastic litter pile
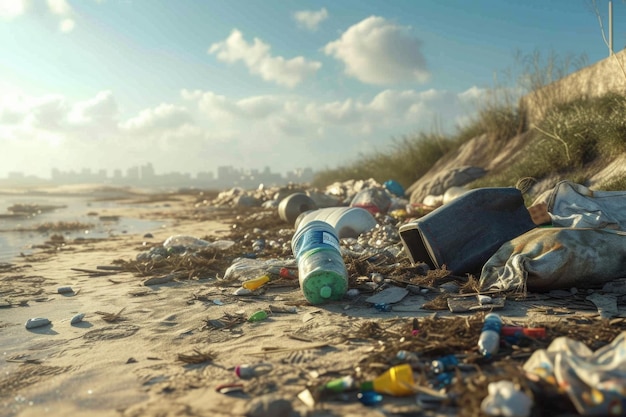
[364,242]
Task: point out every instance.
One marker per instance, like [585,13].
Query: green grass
[409,158]
[571,141]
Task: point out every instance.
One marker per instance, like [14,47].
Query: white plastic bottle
[489,340]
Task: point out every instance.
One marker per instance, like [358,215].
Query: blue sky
[190,85]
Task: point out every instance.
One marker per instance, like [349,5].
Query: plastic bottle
[489,340]
[340,384]
[397,381]
[321,270]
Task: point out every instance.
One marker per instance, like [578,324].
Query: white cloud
[201,130]
[99,110]
[59,7]
[310,19]
[376,51]
[60,10]
[10,9]
[256,56]
[163,117]
[67,25]
[47,112]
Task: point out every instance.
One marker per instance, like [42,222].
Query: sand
[131,365]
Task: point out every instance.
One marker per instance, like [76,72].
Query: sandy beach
[170,348]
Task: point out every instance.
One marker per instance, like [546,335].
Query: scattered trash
[513,334]
[369,254]
[507,400]
[383,307]
[244,269]
[465,303]
[465,233]
[397,381]
[190,242]
[389,295]
[489,340]
[574,205]
[373,199]
[256,283]
[369,398]
[258,316]
[594,381]
[292,206]
[340,384]
[349,222]
[552,258]
[394,188]
[65,290]
[247,371]
[444,364]
[283,309]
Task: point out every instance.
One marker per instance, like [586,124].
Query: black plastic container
[465,233]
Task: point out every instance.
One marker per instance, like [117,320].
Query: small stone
[65,290]
[77,318]
[37,322]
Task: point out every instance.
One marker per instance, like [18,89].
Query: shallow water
[80,209]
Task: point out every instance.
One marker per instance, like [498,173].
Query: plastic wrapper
[594,381]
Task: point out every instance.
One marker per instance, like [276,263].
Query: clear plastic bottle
[489,340]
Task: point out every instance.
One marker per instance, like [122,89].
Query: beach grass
[573,138]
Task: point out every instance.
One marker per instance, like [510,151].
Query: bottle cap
[326,292]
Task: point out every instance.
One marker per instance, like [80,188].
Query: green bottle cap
[326,292]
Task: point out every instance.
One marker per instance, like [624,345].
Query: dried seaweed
[227,321]
[111,317]
[197,357]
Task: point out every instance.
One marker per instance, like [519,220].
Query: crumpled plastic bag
[574,205]
[594,381]
[544,259]
[507,400]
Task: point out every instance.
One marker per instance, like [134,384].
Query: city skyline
[146,175]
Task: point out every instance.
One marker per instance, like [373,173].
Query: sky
[191,85]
